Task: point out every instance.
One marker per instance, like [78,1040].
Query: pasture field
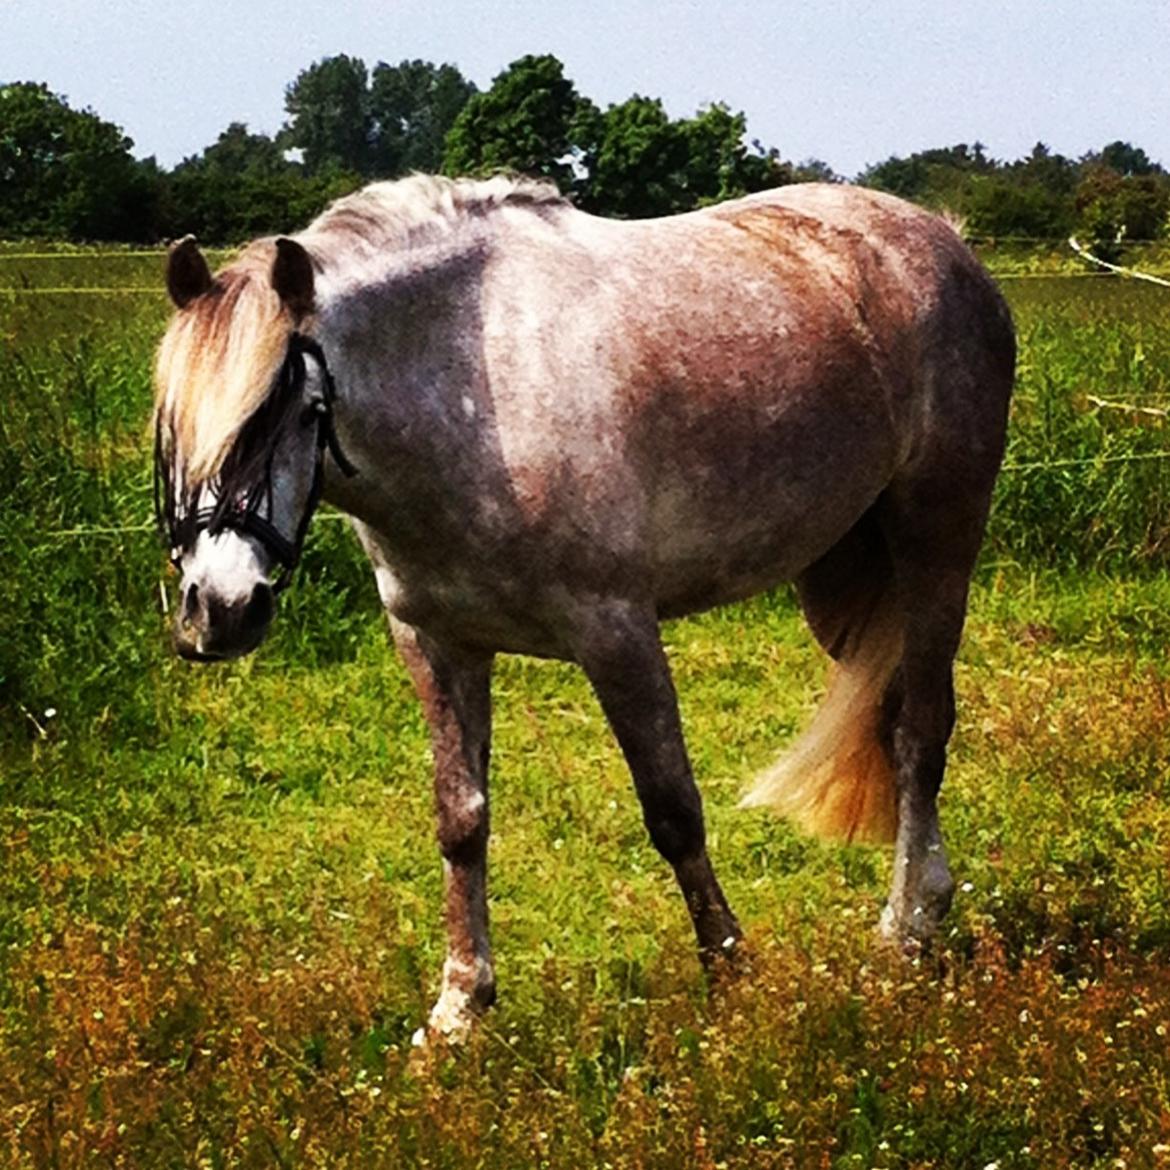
[220,897]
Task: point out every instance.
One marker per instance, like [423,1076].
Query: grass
[1014,257]
[220,899]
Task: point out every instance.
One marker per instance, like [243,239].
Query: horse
[551,431]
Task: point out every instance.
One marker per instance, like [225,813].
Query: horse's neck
[406,352]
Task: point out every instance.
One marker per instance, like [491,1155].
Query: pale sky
[848,82]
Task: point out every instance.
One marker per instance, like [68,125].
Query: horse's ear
[187,273]
[292,277]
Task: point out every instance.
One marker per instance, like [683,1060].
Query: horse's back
[721,395]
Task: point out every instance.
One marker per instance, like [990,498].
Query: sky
[847,81]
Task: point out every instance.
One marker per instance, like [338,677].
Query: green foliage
[378,125]
[68,173]
[329,116]
[238,152]
[631,161]
[347,127]
[1032,198]
[1127,160]
[529,122]
[242,186]
[931,177]
[636,164]
[720,165]
[413,104]
[1109,198]
[1113,208]
[996,206]
[1041,168]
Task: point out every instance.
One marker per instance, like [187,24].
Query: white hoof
[452,1017]
[456,1010]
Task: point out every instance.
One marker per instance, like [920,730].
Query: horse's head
[242,421]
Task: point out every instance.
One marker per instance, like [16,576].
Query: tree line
[69,174]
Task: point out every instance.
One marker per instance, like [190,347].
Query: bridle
[243,485]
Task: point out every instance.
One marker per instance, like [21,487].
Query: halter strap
[301,344]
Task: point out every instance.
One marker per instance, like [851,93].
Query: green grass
[220,898]
[1014,257]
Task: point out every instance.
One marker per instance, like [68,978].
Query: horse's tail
[837,780]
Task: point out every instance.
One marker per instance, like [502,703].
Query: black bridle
[243,485]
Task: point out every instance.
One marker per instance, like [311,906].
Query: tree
[377,125]
[412,106]
[634,167]
[243,186]
[936,178]
[814,170]
[532,121]
[1126,160]
[329,116]
[66,172]
[720,164]
[1042,168]
[237,151]
[635,161]
[1031,197]
[997,206]
[1113,209]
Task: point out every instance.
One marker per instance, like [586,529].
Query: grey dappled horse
[552,431]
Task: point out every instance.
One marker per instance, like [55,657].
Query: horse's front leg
[619,648]
[454,687]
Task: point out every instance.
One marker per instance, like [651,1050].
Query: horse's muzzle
[210,629]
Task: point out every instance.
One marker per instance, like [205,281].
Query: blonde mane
[219,358]
[217,362]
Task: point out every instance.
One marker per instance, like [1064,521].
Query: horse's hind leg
[933,536]
[619,648]
[455,691]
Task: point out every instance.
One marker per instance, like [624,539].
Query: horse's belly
[697,568]
[720,534]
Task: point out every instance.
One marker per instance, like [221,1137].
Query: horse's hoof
[451,1020]
[454,1016]
[909,935]
[729,962]
[915,912]
[893,940]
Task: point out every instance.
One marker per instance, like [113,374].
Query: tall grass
[1088,487]
[220,899]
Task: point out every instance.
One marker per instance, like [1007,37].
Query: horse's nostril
[258,611]
[191,604]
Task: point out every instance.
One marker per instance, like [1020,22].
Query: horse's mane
[217,362]
[219,358]
[394,212]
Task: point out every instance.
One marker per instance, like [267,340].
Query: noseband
[243,485]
